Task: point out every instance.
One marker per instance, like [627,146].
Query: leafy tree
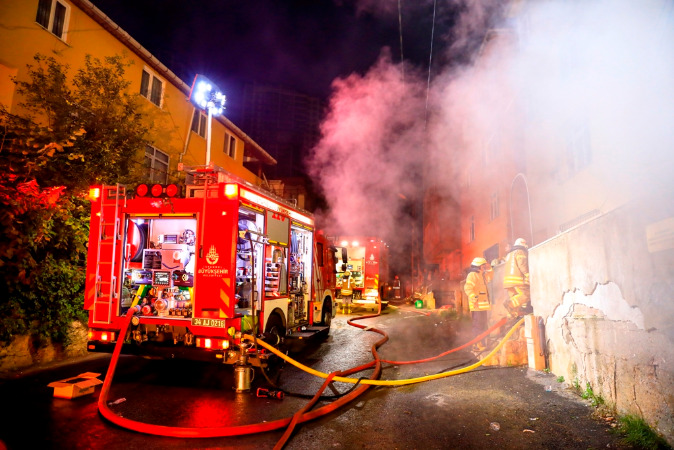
[69,134]
[77,133]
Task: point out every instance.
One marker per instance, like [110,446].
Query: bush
[42,256]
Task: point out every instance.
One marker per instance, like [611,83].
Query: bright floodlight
[206,95]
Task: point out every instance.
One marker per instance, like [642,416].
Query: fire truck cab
[201,265]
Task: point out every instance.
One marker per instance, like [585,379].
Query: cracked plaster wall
[608,306]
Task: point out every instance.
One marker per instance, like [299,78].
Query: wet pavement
[499,407]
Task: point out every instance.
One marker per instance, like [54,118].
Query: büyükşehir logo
[212,256]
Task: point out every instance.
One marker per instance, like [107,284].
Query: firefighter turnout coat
[516,268]
[476,289]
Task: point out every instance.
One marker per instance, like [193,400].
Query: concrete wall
[605,290]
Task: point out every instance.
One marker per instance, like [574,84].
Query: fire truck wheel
[275,326]
[326,316]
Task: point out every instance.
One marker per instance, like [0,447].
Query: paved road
[453,412]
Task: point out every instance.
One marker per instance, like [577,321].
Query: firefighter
[479,275]
[346,292]
[516,280]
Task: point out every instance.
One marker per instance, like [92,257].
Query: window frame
[229,147]
[152,158]
[495,207]
[51,19]
[147,91]
[199,122]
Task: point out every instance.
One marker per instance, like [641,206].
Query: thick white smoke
[371,149]
[552,65]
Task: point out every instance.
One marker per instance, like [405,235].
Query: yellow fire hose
[388,382]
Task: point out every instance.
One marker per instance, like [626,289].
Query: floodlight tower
[205,95]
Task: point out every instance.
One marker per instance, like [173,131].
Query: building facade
[565,141]
[71,29]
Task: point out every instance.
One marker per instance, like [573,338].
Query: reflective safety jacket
[516,268]
[346,288]
[476,289]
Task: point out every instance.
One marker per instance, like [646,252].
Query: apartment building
[71,29]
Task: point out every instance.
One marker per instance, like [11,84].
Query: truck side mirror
[345,257]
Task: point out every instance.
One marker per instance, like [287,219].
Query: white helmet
[478,262]
[521,242]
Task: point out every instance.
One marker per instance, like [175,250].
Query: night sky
[300,44]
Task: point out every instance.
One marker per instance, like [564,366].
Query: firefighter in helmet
[346,291]
[516,280]
[479,275]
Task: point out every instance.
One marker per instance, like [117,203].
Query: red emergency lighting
[101,335]
[172,190]
[142,190]
[157,190]
[94,193]
[213,343]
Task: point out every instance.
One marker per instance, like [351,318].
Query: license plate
[215,323]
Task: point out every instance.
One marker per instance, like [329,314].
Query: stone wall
[606,292]
[28,351]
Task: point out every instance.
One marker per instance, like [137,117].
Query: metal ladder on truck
[107,253]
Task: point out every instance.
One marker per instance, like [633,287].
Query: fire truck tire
[326,315]
[275,326]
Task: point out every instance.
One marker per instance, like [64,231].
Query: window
[199,123]
[151,87]
[230,146]
[578,149]
[53,15]
[471,235]
[157,164]
[495,210]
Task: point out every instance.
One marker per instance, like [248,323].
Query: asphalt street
[511,407]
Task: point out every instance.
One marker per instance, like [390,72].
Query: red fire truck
[201,264]
[367,265]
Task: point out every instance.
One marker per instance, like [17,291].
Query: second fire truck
[368,270]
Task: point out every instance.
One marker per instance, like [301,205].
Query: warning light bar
[158,190]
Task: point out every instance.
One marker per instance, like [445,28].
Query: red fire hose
[300,416]
[160,430]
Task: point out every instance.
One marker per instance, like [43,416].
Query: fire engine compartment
[197,272]
[159,264]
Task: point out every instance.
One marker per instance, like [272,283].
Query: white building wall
[608,306]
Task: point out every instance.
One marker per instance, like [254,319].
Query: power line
[430,62]
[400,27]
